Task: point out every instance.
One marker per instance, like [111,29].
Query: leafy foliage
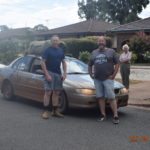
[84,56]
[87,9]
[40,27]
[119,11]
[140,45]
[3,28]
[9,49]
[134,58]
[76,45]
[147,56]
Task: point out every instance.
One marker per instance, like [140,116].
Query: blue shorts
[55,84]
[105,89]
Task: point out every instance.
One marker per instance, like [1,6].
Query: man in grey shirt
[105,63]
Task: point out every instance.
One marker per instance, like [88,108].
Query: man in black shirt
[53,57]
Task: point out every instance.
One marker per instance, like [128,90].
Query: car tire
[7,90]
[63,106]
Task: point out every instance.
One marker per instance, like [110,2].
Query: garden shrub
[84,56]
[140,45]
[77,45]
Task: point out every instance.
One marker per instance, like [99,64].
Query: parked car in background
[24,78]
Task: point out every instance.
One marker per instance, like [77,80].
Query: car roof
[37,56]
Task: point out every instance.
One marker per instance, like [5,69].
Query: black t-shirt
[53,57]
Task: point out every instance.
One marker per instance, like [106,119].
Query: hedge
[76,45]
[140,45]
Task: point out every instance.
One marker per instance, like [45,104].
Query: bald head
[101,42]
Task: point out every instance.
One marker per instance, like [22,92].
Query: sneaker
[53,114]
[58,114]
[116,120]
[102,118]
[45,115]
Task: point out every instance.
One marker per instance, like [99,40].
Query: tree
[87,9]
[3,28]
[140,45]
[119,11]
[8,51]
[123,11]
[40,27]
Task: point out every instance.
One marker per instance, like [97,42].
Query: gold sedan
[24,77]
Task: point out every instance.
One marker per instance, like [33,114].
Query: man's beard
[101,46]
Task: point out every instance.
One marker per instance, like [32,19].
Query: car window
[22,64]
[36,65]
[16,63]
[76,66]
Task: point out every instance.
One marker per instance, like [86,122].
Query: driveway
[22,128]
[138,73]
[139,94]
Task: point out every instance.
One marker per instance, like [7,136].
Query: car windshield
[75,66]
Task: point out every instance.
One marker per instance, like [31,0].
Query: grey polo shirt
[103,61]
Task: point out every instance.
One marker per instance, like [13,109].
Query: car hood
[2,65]
[84,81]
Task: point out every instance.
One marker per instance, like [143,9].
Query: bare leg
[102,106]
[113,104]
[55,98]
[47,95]
[55,103]
[47,98]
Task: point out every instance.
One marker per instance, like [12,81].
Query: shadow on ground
[72,112]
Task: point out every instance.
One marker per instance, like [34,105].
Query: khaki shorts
[55,84]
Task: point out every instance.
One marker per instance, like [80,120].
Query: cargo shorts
[104,89]
[55,83]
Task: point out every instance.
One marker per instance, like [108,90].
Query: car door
[21,75]
[30,84]
[36,82]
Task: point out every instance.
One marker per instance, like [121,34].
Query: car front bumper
[84,101]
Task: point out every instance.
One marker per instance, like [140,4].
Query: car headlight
[86,91]
[123,91]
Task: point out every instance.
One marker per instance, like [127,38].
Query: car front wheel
[7,90]
[63,106]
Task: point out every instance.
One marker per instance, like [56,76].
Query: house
[84,28]
[122,34]
[81,29]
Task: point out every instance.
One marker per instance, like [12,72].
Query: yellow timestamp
[143,139]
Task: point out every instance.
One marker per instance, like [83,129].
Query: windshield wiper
[77,73]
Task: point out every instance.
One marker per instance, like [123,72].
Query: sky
[51,13]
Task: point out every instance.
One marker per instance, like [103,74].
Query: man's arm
[43,65]
[127,59]
[64,65]
[90,66]
[90,71]
[116,68]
